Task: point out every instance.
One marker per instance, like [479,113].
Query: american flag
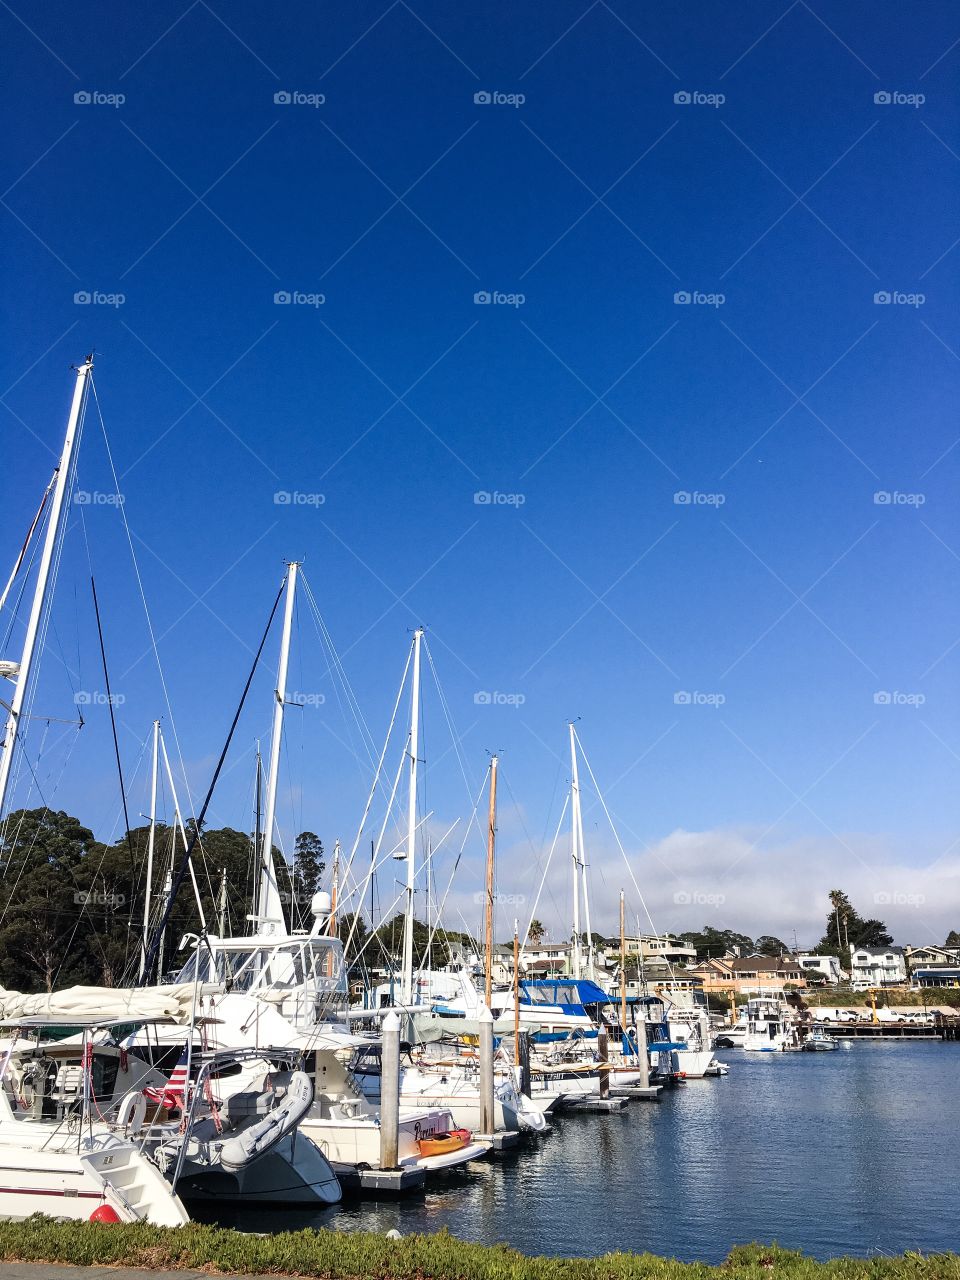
[170,1095]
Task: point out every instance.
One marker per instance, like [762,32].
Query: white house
[827,966]
[877,966]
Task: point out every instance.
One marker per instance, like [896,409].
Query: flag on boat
[171,1094]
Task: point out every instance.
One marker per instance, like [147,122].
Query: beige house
[750,975]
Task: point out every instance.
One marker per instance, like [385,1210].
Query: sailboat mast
[148,893]
[488,914]
[406,975]
[574,836]
[269,908]
[334,889]
[54,523]
[623,971]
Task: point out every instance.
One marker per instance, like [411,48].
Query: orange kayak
[441,1144]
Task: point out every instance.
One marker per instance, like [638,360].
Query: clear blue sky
[597,198]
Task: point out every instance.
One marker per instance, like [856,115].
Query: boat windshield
[289,965]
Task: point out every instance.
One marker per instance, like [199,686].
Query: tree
[536,932]
[716,942]
[44,896]
[953,939]
[308,869]
[768,945]
[846,928]
[353,922]
[390,938]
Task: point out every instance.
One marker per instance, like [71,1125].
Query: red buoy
[105,1213]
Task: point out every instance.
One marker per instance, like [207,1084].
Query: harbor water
[848,1152]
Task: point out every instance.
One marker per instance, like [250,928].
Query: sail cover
[97,1005]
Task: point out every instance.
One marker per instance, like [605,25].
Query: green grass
[348,1255]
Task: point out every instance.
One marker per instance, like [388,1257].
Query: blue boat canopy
[666,1046]
[572,994]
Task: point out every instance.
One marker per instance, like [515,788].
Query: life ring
[132,1112]
[442,1144]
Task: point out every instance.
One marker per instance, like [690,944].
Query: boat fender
[105,1213]
[257,1139]
[132,1112]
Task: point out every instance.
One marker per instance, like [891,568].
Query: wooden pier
[943,1027]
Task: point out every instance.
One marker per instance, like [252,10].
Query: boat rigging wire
[113,729]
[198,821]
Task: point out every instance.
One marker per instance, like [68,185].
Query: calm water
[848,1152]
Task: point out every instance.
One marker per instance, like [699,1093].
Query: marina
[478,641]
[665,1170]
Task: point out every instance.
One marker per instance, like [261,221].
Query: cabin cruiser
[770,1025]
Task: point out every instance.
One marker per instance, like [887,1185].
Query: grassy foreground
[348,1255]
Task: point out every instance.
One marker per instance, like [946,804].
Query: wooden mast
[623,975]
[488,915]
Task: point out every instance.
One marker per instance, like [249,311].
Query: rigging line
[143,598]
[29,703]
[376,777]
[198,821]
[18,563]
[536,901]
[326,639]
[334,669]
[113,727]
[386,818]
[456,864]
[446,713]
[616,835]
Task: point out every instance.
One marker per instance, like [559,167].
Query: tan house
[749,975]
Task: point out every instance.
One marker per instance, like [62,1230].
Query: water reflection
[820,1152]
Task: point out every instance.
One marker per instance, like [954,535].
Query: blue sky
[782,199]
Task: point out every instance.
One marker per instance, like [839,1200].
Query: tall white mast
[54,522]
[269,907]
[583,869]
[148,893]
[574,839]
[406,973]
